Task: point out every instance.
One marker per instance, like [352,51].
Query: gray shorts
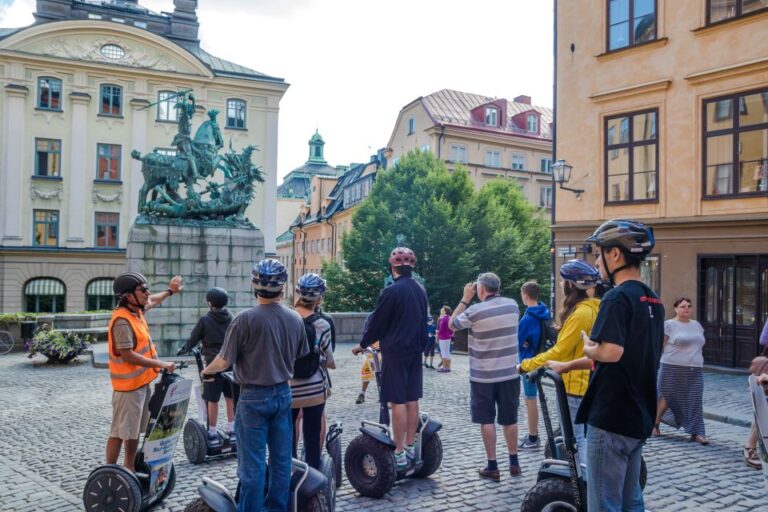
[130,413]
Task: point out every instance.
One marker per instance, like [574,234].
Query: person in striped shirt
[493,357]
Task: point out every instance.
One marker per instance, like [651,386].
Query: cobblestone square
[54,423]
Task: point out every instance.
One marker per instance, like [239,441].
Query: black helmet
[269,277]
[630,235]
[127,282]
[310,287]
[580,273]
[217,297]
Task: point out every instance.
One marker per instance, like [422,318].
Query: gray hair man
[493,377]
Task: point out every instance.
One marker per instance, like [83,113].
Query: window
[492,159]
[44,295]
[236,114]
[721,10]
[631,157]
[546,165]
[411,125]
[458,153]
[518,162]
[108,162]
[107,229]
[630,22]
[112,51]
[425,148]
[99,295]
[545,197]
[46,228]
[49,93]
[48,158]
[533,123]
[736,145]
[166,106]
[650,273]
[491,116]
[111,100]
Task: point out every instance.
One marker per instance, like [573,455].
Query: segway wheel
[431,456]
[334,450]
[550,495]
[370,466]
[328,468]
[112,488]
[317,503]
[198,505]
[195,442]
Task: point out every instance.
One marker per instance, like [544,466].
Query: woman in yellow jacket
[577,314]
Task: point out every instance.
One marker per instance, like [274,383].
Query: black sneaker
[360,399]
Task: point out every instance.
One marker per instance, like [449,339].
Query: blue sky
[353,64]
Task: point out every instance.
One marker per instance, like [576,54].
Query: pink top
[443,331]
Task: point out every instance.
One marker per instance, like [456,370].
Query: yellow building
[82,87]
[662,112]
[490,137]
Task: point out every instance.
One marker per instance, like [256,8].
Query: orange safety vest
[124,376]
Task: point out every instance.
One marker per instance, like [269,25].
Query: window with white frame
[458,153]
[545,197]
[546,165]
[491,116]
[492,159]
[518,162]
[533,123]
[166,106]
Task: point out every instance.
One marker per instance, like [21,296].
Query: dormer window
[491,116]
[533,123]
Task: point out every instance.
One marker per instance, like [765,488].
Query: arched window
[44,295]
[99,294]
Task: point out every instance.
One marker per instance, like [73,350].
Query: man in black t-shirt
[619,406]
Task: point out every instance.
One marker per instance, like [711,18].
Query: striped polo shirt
[493,349]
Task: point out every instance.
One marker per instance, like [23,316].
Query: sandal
[751,458]
[700,439]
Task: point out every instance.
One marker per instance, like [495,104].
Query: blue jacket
[399,321]
[529,330]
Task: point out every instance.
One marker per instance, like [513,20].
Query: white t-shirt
[686,339]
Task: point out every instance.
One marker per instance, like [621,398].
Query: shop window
[650,273]
[44,295]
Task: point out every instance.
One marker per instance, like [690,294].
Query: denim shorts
[529,388]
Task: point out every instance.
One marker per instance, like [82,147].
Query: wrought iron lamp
[561,173]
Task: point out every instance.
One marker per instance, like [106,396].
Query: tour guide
[133,362]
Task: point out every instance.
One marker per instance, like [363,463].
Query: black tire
[370,466]
[112,488]
[316,503]
[552,494]
[195,442]
[334,450]
[643,473]
[431,455]
[198,505]
[328,468]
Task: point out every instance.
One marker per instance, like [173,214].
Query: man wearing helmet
[209,330]
[625,343]
[133,362]
[399,323]
[262,344]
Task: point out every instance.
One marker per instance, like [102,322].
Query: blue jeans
[613,472]
[263,419]
[578,430]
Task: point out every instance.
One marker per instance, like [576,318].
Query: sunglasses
[144,289]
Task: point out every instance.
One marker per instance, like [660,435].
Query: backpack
[305,367]
[548,336]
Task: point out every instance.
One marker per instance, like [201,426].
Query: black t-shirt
[621,397]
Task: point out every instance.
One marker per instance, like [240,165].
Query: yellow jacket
[570,346]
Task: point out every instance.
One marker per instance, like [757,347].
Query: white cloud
[16,13]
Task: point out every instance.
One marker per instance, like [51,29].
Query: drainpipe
[440,139]
[553,256]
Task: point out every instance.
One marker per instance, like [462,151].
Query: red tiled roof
[451,107]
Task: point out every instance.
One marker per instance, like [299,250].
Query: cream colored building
[490,137]
[78,94]
[668,123]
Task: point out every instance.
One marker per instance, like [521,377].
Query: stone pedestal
[204,257]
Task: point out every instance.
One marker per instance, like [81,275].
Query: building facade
[83,87]
[490,137]
[662,110]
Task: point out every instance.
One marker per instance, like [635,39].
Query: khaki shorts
[130,413]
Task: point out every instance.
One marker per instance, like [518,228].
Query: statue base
[204,257]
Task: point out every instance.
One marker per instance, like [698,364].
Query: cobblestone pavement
[727,393]
[54,422]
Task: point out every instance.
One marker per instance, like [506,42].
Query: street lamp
[561,173]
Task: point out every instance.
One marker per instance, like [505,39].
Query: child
[210,330]
[429,349]
[366,373]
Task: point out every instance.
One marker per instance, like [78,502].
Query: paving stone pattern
[54,423]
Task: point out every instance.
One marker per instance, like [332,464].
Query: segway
[330,463]
[197,444]
[760,406]
[369,460]
[112,488]
[560,483]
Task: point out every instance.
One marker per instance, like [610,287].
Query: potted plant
[57,346]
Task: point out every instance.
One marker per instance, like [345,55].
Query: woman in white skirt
[444,334]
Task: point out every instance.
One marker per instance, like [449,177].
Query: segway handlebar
[542,371]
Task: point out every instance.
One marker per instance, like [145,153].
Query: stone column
[13,162]
[78,171]
[269,204]
[139,143]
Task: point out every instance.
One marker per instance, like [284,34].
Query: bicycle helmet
[631,235]
[268,278]
[218,297]
[310,287]
[127,282]
[580,273]
[402,257]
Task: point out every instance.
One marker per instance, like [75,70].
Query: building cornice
[742,68]
[490,136]
[631,90]
[738,219]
